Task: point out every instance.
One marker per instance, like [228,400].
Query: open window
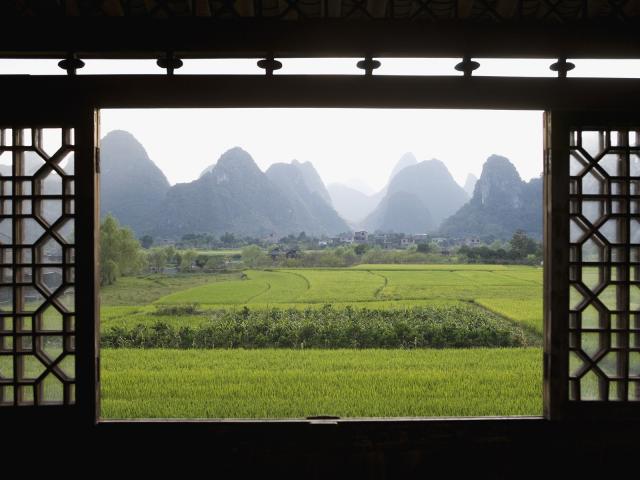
[591,325]
[267,285]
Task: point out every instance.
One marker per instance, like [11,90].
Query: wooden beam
[329,91]
[193,37]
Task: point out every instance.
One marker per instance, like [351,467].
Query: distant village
[391,241]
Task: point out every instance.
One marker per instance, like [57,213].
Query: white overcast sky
[343,144]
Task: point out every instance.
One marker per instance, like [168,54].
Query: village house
[472,242]
[360,237]
[406,242]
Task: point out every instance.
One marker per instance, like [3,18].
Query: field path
[306,280]
[340,285]
[260,293]
[284,286]
[379,291]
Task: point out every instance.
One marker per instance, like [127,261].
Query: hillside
[402,212]
[236,196]
[302,186]
[429,182]
[501,204]
[131,185]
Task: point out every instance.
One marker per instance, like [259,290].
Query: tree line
[121,253]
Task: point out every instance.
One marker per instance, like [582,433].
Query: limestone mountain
[236,196]
[304,189]
[207,170]
[429,181]
[470,184]
[401,212]
[354,205]
[131,185]
[501,204]
[406,160]
[312,180]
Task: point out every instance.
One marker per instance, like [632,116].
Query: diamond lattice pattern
[37,317]
[604,316]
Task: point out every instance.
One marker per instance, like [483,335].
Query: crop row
[456,326]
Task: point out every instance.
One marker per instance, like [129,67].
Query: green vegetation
[143,290]
[366,283]
[328,327]
[120,252]
[222,329]
[285,383]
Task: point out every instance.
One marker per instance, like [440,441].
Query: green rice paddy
[280,383]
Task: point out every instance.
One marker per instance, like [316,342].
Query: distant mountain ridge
[234,195]
[501,204]
[231,195]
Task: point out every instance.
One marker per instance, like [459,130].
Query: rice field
[376,283]
[270,383]
[285,382]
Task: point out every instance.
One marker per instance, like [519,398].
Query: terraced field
[284,382]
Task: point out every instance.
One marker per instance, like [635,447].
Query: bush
[177,310]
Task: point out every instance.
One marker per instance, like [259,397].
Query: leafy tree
[170,252]
[157,258]
[120,252]
[424,248]
[186,260]
[361,248]
[213,263]
[252,255]
[522,245]
[146,241]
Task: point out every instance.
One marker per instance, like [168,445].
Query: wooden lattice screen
[37,267]
[604,265]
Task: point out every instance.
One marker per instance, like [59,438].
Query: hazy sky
[343,144]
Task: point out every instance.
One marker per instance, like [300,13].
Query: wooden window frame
[76,101]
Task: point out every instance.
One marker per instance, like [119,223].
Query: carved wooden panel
[37,260]
[604,265]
